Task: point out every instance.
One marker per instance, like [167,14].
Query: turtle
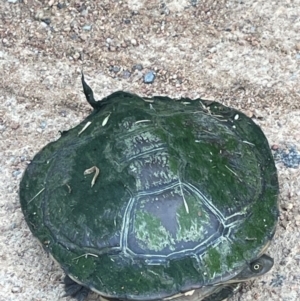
[155,199]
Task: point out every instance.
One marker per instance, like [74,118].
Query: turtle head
[256,268]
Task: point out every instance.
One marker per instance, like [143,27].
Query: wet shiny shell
[145,199]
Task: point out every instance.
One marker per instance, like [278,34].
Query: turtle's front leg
[74,289]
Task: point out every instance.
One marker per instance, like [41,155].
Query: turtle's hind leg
[74,289]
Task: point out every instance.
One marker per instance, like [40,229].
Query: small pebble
[287,206]
[84,12]
[63,113]
[61,5]
[149,77]
[12,160]
[74,36]
[284,224]
[43,125]
[46,21]
[114,69]
[289,157]
[126,74]
[16,173]
[87,27]
[278,280]
[138,67]
[213,50]
[16,289]
[23,158]
[133,42]
[297,217]
[76,56]
[12,226]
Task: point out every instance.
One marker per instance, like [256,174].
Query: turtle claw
[74,289]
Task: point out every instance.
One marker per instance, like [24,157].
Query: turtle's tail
[89,95]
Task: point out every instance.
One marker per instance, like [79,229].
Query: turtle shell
[150,197]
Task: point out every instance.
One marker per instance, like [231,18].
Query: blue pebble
[149,77]
[290,158]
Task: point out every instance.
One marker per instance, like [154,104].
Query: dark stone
[138,67]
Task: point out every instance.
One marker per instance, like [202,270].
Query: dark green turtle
[155,199]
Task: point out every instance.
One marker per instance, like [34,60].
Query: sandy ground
[245,54]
